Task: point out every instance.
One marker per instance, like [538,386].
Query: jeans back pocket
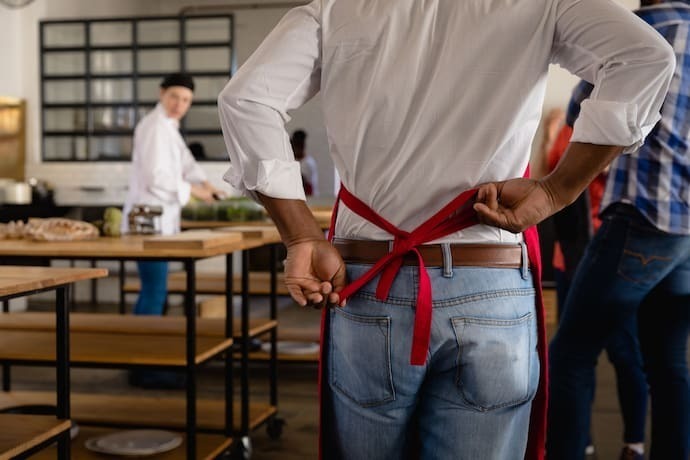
[360,364]
[495,357]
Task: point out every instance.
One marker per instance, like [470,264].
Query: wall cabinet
[100,76]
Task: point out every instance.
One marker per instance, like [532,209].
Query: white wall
[20,27]
[10,79]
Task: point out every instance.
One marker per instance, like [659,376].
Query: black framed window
[100,76]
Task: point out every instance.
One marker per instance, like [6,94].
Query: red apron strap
[456,215]
[537,430]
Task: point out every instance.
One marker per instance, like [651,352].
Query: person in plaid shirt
[638,263]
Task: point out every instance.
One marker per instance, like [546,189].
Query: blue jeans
[154,288]
[629,266]
[473,397]
[623,351]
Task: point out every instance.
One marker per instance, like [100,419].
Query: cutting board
[265,232]
[196,239]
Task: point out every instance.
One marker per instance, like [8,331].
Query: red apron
[455,216]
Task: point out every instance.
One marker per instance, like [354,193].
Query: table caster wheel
[274,427]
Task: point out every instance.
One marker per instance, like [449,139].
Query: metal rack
[69,50]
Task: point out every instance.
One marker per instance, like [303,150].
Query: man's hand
[314,270]
[314,273]
[515,205]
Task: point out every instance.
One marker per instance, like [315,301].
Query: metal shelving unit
[100,76]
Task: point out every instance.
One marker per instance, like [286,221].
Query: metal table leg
[229,384]
[62,356]
[6,372]
[273,367]
[121,279]
[244,337]
[190,313]
[94,287]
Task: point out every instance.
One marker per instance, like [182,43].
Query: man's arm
[314,270]
[631,67]
[517,204]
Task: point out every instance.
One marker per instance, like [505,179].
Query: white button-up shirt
[425,99]
[162,171]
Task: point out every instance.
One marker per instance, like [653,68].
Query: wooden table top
[16,280]
[20,433]
[141,409]
[130,247]
[108,349]
[108,323]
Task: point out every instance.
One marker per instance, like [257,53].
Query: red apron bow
[454,217]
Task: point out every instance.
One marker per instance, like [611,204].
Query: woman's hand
[202,193]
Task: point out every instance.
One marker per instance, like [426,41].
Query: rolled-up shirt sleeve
[628,62]
[281,75]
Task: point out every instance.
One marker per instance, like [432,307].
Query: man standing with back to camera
[423,102]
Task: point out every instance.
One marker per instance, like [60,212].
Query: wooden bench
[159,335]
[128,324]
[19,434]
[208,447]
[214,283]
[141,410]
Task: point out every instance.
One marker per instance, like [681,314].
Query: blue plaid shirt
[656,178]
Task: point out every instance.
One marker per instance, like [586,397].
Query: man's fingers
[326,287]
[489,216]
[487,194]
[314,297]
[339,280]
[297,295]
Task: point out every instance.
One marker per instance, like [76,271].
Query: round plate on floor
[289,347]
[134,443]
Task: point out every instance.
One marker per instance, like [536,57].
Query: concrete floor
[298,403]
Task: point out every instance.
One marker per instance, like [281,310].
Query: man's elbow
[665,57]
[229,96]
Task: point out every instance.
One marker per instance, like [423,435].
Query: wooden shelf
[129,324]
[214,283]
[18,280]
[208,447]
[141,411]
[284,357]
[107,349]
[21,433]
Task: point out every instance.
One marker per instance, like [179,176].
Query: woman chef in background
[164,173]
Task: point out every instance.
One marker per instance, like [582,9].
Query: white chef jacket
[310,171]
[425,99]
[162,171]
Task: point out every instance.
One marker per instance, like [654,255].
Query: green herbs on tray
[228,209]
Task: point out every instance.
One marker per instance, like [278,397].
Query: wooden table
[25,434]
[188,250]
[23,281]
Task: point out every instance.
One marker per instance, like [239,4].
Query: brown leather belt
[474,255]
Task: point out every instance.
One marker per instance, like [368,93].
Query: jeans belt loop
[447,260]
[525,261]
